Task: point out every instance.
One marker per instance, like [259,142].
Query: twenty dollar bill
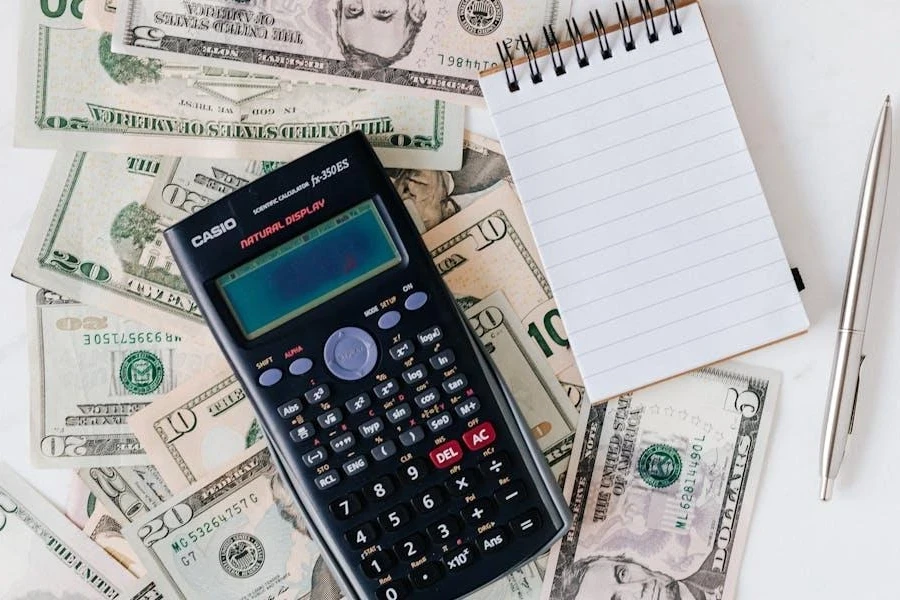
[91,370]
[413,46]
[661,485]
[74,91]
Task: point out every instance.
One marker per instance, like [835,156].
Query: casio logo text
[213,232]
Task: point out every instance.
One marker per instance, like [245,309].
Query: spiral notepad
[642,196]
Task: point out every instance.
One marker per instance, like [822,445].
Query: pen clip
[856,395]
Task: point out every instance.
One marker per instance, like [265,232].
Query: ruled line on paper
[658,254]
[657,230]
[548,242]
[593,300]
[695,339]
[643,185]
[675,297]
[614,121]
[588,351]
[635,139]
[608,74]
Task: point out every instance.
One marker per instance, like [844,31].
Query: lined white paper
[647,210]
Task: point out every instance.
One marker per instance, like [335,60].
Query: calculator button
[463,483]
[428,500]
[394,519]
[479,510]
[455,384]
[301,366]
[323,482]
[445,529]
[430,336]
[318,394]
[427,398]
[290,409]
[388,320]
[371,427]
[459,558]
[343,442]
[426,575]
[442,360]
[411,548]
[378,564]
[303,433]
[381,488]
[314,458]
[357,404]
[270,377]
[385,450]
[495,466]
[398,413]
[346,507]
[401,350]
[415,301]
[493,539]
[355,466]
[438,422]
[467,408]
[350,353]
[362,536]
[446,455]
[510,493]
[395,590]
[412,436]
[330,418]
[480,436]
[385,389]
[414,470]
[415,374]
[527,523]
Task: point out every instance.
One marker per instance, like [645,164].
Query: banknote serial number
[689,482]
[131,337]
[465,62]
[204,529]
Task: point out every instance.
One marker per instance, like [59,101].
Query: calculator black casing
[222,251]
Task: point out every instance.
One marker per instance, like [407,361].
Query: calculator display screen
[312,268]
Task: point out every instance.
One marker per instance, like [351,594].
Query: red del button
[479,436]
[447,454]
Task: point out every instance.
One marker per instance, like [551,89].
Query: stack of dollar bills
[160,107]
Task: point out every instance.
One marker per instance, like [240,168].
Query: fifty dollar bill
[91,370]
[425,47]
[662,484]
[73,91]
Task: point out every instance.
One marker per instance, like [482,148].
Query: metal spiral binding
[578,43]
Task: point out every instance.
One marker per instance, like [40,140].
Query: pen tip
[827,488]
[887,100]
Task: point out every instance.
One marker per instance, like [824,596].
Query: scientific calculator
[405,452]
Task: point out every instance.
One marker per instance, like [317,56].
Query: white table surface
[807,78]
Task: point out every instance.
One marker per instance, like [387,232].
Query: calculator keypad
[413,468]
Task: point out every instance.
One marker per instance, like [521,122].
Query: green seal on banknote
[659,466]
[141,372]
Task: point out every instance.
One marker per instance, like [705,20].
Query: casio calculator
[404,450]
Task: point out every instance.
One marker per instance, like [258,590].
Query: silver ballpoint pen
[850,352]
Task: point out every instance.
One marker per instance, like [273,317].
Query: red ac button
[446,455]
[479,436]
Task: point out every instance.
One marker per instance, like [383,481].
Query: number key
[445,529]
[428,500]
[394,519]
[395,590]
[414,470]
[346,507]
[362,536]
[381,488]
[377,564]
[412,547]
